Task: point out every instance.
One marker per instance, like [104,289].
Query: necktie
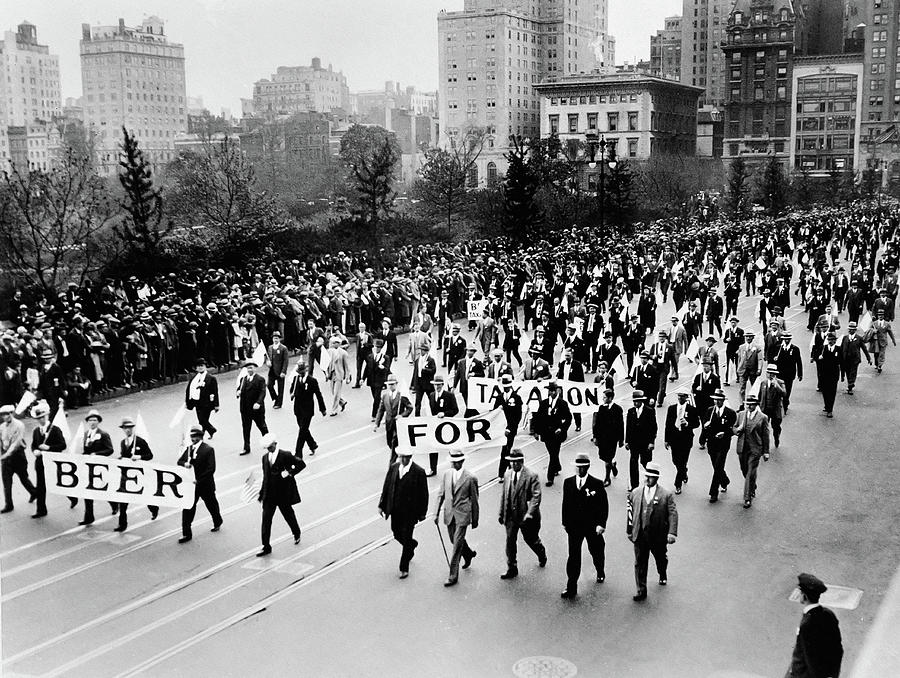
[515,479]
[580,484]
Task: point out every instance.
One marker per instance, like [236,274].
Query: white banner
[419,435]
[119,480]
[475,308]
[581,397]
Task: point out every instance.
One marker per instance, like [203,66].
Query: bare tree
[443,178]
[51,222]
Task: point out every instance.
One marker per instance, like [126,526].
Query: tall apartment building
[491,55]
[133,78]
[665,50]
[29,79]
[301,89]
[763,36]
[702,61]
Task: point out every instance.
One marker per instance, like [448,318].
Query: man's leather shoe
[639,596]
[450,582]
[568,594]
[83,522]
[601,578]
[430,474]
[468,561]
[713,500]
[403,575]
[6,509]
[549,483]
[184,540]
[296,539]
[120,528]
[39,515]
[510,574]
[244,452]
[264,552]
[542,562]
[215,528]
[663,581]
[747,504]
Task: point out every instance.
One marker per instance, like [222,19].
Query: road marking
[285,566]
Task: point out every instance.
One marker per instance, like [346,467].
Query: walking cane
[443,546]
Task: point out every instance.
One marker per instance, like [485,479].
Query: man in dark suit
[279,489]
[455,348]
[252,399]
[607,352]
[734,339]
[132,447]
[715,308]
[706,382]
[552,421]
[466,368]
[633,340]
[609,432]
[52,382]
[576,344]
[443,314]
[571,369]
[771,401]
[643,376]
[585,510]
[512,405]
[662,357]
[202,395]
[443,404]
[593,325]
[818,651]
[375,371]
[96,441]
[424,369]
[277,356]
[392,405]
[718,423]
[404,499]
[640,435]
[681,420]
[305,392]
[460,490]
[652,525]
[202,458]
[45,438]
[852,347]
[790,366]
[520,510]
[364,345]
[830,363]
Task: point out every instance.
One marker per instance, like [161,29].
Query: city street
[89,602]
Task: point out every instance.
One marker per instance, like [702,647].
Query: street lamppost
[595,143]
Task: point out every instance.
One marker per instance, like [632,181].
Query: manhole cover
[544,667]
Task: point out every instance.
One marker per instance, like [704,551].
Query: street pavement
[89,602]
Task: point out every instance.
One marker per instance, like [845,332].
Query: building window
[781,93]
[632,121]
[554,124]
[472,177]
[632,148]
[592,120]
[492,174]
[612,122]
[757,93]
[573,122]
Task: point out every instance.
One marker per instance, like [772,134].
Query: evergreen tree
[521,212]
[372,155]
[771,188]
[619,193]
[143,228]
[738,175]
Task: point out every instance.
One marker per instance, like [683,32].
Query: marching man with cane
[461,490]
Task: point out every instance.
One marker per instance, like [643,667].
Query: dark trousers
[663,381]
[403,534]
[123,514]
[507,447]
[89,510]
[530,533]
[208,495]
[597,548]
[680,456]
[460,547]
[749,465]
[642,456]
[376,399]
[643,547]
[304,437]
[249,417]
[851,372]
[432,461]
[203,419]
[15,465]
[276,395]
[829,391]
[776,429]
[40,488]
[554,467]
[717,323]
[268,512]
[718,453]
[788,387]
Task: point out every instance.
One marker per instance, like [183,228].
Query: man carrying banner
[571,369]
[520,510]
[96,441]
[460,489]
[551,424]
[13,461]
[279,489]
[443,404]
[202,396]
[132,447]
[202,458]
[45,438]
[512,405]
[404,499]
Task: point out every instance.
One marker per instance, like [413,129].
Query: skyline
[246,41]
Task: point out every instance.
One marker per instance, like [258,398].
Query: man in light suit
[748,363]
[202,395]
[279,489]
[305,393]
[585,509]
[404,499]
[466,368]
[460,490]
[679,341]
[752,431]
[878,335]
[520,510]
[251,397]
[652,525]
[392,405]
[338,374]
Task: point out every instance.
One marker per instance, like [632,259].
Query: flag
[178,417]
[62,423]
[259,354]
[659,298]
[677,266]
[760,263]
[754,388]
[25,402]
[620,367]
[252,486]
[579,327]
[864,323]
[727,270]
[623,316]
[324,359]
[76,444]
[692,349]
[140,428]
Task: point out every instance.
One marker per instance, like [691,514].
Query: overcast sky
[229,44]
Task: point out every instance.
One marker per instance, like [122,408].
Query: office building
[301,89]
[665,50]
[702,61]
[29,79]
[133,78]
